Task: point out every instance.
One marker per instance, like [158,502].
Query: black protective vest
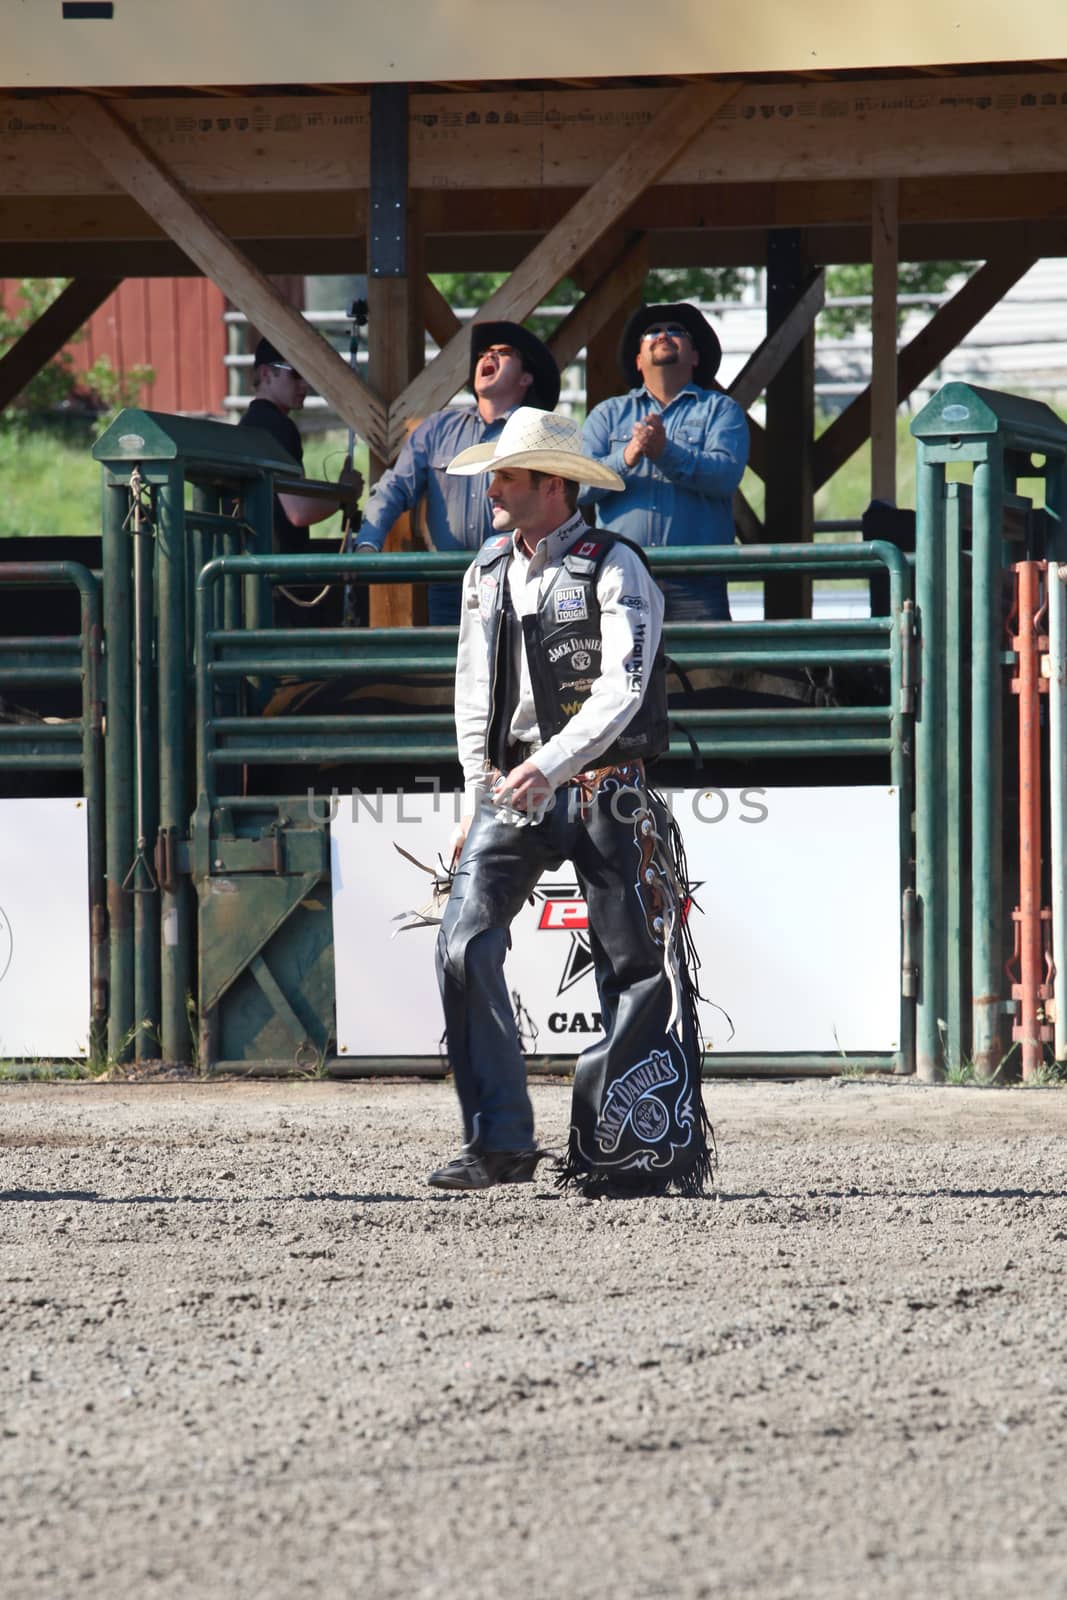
[563,645]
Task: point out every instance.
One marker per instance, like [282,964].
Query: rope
[139,521]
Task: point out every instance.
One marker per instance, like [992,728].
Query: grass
[46,1071]
[50,484]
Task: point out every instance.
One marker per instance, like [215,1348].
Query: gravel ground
[246,1353]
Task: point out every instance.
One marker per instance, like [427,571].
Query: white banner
[796,917]
[45,1004]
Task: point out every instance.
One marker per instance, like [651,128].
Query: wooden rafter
[132,165]
[765,363]
[441,321]
[51,331]
[620,283]
[646,158]
[949,324]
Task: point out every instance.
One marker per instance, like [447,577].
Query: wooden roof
[74,44]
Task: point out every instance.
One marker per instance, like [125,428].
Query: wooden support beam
[764,364]
[51,331]
[648,155]
[441,321]
[789,513]
[132,165]
[494,137]
[949,324]
[885,248]
[619,288]
[396,302]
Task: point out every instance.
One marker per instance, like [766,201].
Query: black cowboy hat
[536,358]
[696,325]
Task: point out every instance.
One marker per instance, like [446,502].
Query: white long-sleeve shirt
[631,618]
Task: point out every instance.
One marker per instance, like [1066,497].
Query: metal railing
[65,744]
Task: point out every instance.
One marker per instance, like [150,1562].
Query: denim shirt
[457,509]
[684,497]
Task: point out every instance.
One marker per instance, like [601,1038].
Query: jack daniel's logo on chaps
[633,1099]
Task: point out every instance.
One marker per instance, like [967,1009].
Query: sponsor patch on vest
[576,683]
[570,604]
[487,596]
[636,665]
[581,661]
[573,647]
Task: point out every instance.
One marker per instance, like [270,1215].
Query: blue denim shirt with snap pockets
[684,497]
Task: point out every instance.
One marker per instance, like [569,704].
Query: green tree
[472,289]
[854,278]
[57,386]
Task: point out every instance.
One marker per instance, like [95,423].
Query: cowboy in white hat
[560,699]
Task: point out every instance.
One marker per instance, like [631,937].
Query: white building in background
[1021,346]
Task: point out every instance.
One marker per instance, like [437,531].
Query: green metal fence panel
[1002,440]
[260,864]
[153,546]
[70,745]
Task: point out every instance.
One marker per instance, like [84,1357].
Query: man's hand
[351,483]
[459,836]
[525,788]
[649,439]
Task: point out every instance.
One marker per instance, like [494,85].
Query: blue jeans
[442,604]
[700,599]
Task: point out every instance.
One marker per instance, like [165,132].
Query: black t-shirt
[264,414]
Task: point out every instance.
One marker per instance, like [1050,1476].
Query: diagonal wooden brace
[650,153]
[47,336]
[157,191]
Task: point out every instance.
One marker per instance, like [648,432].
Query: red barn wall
[173,325]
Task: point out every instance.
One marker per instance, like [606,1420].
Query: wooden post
[395,316]
[789,514]
[885,236]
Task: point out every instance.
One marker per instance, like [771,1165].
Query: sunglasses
[674,329]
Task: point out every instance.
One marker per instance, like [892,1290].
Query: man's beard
[665,358]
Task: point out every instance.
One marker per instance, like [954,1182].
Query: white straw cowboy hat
[537,441]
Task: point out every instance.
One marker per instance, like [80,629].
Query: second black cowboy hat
[703,335]
[544,391]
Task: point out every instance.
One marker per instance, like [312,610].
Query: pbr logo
[563,910]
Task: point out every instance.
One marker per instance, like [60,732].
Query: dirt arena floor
[246,1353]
